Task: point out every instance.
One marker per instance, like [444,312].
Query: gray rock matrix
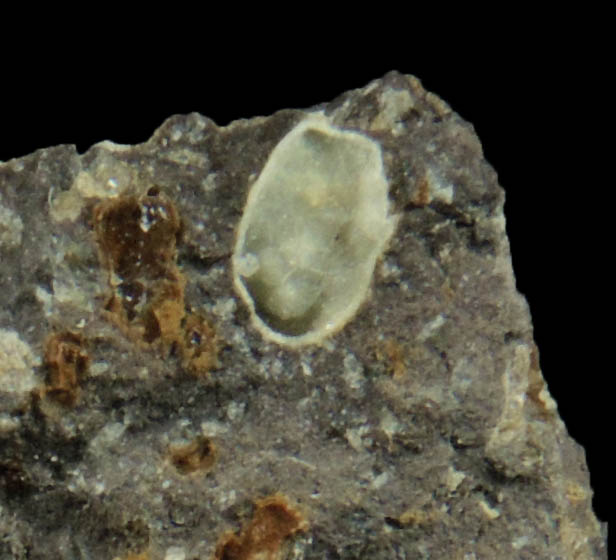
[144,415]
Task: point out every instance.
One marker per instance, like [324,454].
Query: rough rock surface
[142,416]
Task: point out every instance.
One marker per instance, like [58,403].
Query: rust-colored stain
[66,361]
[273,522]
[199,455]
[137,238]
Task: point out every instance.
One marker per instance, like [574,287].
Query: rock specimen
[293,337]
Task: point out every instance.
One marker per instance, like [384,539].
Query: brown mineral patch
[273,522]
[162,317]
[13,478]
[575,493]
[418,517]
[200,345]
[536,384]
[534,358]
[421,196]
[447,291]
[66,361]
[137,238]
[437,104]
[137,235]
[392,353]
[199,455]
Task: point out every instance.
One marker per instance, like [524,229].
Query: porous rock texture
[143,416]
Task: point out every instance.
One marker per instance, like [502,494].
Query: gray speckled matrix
[142,416]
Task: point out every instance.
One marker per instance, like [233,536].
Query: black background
[538,114]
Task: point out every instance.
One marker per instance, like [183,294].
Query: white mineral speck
[389,269]
[107,438]
[209,183]
[247,265]
[453,479]
[226,499]
[380,481]
[45,299]
[439,189]
[224,308]
[394,104]
[490,512]
[98,368]
[520,542]
[354,439]
[176,134]
[431,327]
[235,410]
[353,372]
[11,228]
[16,364]
[389,424]
[368,89]
[7,424]
[175,553]
[306,369]
[212,428]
